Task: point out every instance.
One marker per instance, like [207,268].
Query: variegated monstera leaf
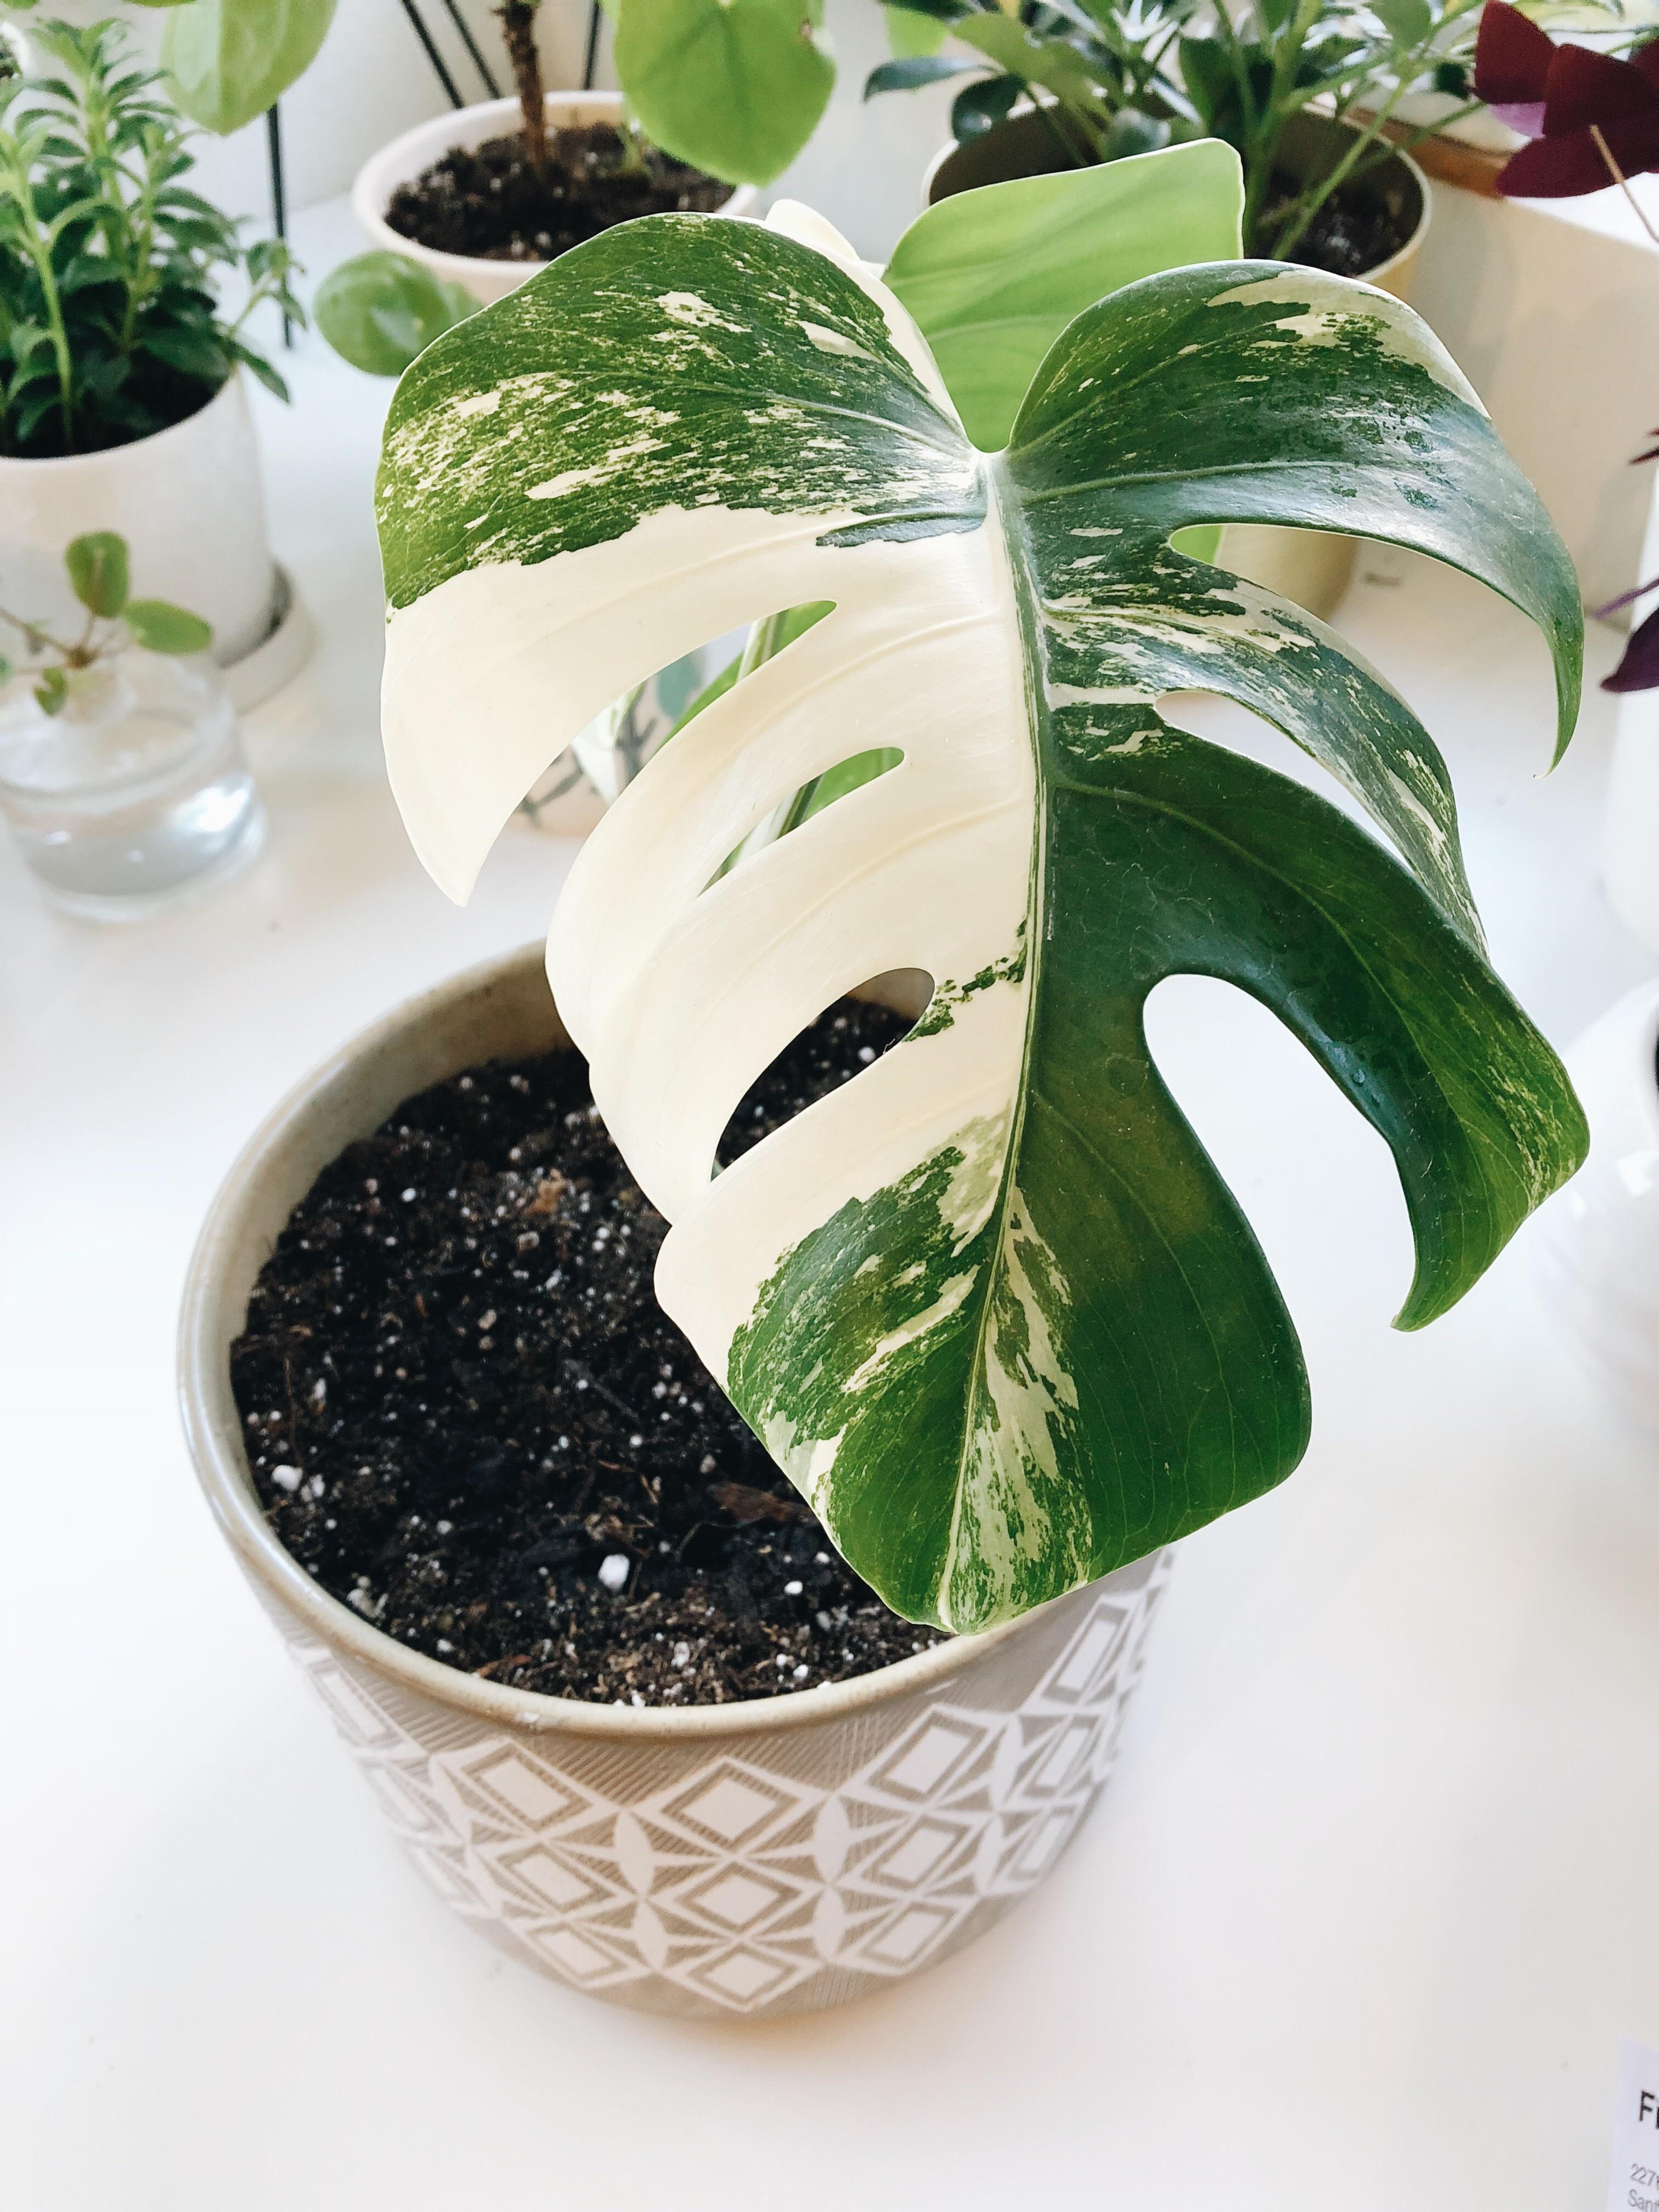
[989,1304]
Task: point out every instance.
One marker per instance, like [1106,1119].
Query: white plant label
[1633,2183]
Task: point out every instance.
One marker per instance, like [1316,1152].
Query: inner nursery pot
[1388,210]
[408,159]
[777,1854]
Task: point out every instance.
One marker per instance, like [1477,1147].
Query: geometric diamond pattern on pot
[761,1871]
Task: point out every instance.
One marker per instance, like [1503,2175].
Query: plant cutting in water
[110,329]
[98,574]
[990,1305]
[1591,120]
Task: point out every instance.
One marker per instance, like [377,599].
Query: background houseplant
[120,771]
[999,1260]
[1108,81]
[1591,121]
[120,402]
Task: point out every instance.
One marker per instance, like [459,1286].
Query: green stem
[1303,210]
[38,251]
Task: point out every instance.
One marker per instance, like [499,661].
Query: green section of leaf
[734,87]
[909,74]
[229,60]
[379,310]
[160,627]
[1050,63]
[51,692]
[978,107]
[992,276]
[911,34]
[1045,1341]
[458,491]
[97,565]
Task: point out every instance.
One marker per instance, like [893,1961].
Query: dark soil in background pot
[1356,230]
[467,1416]
[492,202]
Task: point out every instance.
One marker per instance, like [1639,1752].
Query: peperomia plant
[990,1305]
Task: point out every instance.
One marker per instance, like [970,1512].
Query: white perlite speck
[791,1589]
[613,1570]
[286,1478]
[682,1654]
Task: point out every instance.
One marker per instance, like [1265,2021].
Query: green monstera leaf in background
[990,1304]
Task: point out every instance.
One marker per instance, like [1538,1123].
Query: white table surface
[1371,1896]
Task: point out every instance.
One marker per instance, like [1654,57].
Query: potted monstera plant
[784,1705]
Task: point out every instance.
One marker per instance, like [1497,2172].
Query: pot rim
[1400,255]
[107,454]
[404,156]
[213,1432]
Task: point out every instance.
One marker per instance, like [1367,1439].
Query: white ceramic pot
[188,502]
[409,157]
[1629,835]
[1311,566]
[1598,1240]
[749,1859]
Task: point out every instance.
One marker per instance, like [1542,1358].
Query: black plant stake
[471,45]
[432,54]
[278,196]
[592,62]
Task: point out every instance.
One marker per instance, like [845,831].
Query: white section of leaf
[560,640]
[681,995]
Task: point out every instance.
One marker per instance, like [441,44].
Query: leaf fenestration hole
[850,1035]
[846,777]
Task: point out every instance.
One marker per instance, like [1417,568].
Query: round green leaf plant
[990,1304]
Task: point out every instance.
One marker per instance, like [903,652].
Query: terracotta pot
[411,156]
[1312,566]
[190,506]
[756,1858]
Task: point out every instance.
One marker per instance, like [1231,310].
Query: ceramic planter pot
[190,504]
[1598,1240]
[409,157]
[1311,566]
[748,1859]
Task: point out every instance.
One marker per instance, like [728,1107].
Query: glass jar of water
[134,793]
